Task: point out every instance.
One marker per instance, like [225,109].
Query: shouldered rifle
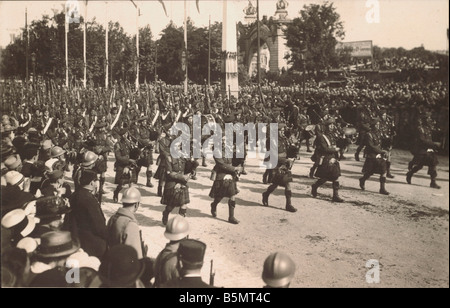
[212,273]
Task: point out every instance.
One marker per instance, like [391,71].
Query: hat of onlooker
[191,253]
[56,244]
[12,162]
[18,223]
[14,178]
[121,267]
[52,206]
[87,176]
[47,144]
[28,244]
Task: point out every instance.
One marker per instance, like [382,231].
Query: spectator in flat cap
[13,162]
[190,258]
[16,225]
[87,221]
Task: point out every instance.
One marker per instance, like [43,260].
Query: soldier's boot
[433,183]
[265,195]
[383,190]
[388,165]
[289,207]
[311,171]
[182,212]
[243,170]
[411,172]
[362,181]
[116,193]
[204,162]
[231,218]
[165,215]
[357,154]
[265,175]
[102,182]
[214,206]
[315,186]
[336,197]
[410,165]
[160,190]
[308,147]
[149,178]
[341,154]
[270,176]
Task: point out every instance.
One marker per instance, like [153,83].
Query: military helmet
[177,228]
[278,270]
[56,151]
[89,158]
[131,195]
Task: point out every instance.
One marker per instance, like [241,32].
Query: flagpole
[209,51]
[106,47]
[258,57]
[26,48]
[137,48]
[84,45]
[185,50]
[66,25]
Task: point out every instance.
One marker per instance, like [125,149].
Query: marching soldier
[145,137]
[363,120]
[282,175]
[424,152]
[328,168]
[375,160]
[387,130]
[225,178]
[176,190]
[124,166]
[164,152]
[102,149]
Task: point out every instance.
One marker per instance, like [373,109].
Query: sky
[396,23]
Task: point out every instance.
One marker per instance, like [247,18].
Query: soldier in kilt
[424,152]
[125,165]
[164,152]
[328,168]
[387,129]
[375,162]
[145,138]
[281,174]
[102,149]
[225,178]
[176,190]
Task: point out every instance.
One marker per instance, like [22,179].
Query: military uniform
[164,152]
[424,153]
[176,190]
[224,186]
[375,161]
[328,168]
[281,174]
[387,131]
[124,166]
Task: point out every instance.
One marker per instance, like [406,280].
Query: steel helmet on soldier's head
[89,158]
[131,195]
[177,228]
[278,271]
[56,151]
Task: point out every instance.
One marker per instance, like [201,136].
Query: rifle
[212,273]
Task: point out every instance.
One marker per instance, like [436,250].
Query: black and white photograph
[224,144]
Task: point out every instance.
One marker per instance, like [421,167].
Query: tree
[314,36]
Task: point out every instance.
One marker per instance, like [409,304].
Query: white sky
[403,23]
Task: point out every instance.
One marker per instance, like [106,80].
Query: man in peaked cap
[190,257]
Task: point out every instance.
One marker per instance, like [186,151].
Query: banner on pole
[359,49]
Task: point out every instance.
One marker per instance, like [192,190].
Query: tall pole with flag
[209,51]
[184,56]
[258,55]
[106,47]
[84,45]
[137,44]
[26,48]
[66,26]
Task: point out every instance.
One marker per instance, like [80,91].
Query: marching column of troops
[50,223]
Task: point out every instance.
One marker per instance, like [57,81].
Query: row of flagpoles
[72,16]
